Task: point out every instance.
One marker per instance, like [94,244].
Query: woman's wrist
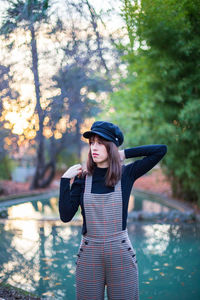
[122,155]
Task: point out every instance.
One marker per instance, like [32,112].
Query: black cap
[107,130]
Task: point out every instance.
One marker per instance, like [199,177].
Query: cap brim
[88,134]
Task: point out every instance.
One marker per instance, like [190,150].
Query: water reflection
[35,210]
[156,207]
[157,238]
[150,203]
[131,203]
[38,252]
[40,257]
[48,208]
[41,260]
[169,262]
[24,211]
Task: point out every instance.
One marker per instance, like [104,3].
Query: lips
[95,154]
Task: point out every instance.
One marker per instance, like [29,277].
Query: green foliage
[6,167]
[24,12]
[67,158]
[160,96]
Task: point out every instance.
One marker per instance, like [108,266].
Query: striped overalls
[106,255]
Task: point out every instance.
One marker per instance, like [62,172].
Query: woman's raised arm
[153,154]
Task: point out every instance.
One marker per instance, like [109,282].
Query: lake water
[38,253]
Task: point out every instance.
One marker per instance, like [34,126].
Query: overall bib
[106,255]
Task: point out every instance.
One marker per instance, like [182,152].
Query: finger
[75,168]
[79,173]
[77,165]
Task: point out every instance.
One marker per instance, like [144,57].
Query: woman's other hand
[122,155]
[73,171]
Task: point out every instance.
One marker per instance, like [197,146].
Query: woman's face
[99,152]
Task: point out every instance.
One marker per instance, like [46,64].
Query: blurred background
[65,64]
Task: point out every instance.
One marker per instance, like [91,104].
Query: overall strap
[88,184]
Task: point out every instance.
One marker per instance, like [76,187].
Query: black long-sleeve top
[71,198]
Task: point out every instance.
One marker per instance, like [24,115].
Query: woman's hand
[122,155]
[73,171]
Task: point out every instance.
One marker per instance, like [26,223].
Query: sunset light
[126,72]
[18,122]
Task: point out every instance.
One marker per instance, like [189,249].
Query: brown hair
[114,171]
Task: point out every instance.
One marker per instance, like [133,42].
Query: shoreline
[153,183]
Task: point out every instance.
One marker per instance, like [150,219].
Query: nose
[95,145]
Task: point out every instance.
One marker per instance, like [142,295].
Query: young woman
[106,255]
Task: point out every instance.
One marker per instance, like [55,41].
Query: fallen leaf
[48,259]
[57,283]
[46,278]
[48,294]
[156,269]
[166,264]
[179,268]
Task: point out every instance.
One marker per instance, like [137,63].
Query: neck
[102,165]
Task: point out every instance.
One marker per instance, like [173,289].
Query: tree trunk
[40,163]
[98,38]
[78,140]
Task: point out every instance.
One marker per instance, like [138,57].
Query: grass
[7,290]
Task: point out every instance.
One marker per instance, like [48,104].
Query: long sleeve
[153,154]
[69,199]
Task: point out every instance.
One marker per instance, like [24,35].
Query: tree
[79,79]
[81,51]
[161,92]
[6,91]
[28,15]
[75,83]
